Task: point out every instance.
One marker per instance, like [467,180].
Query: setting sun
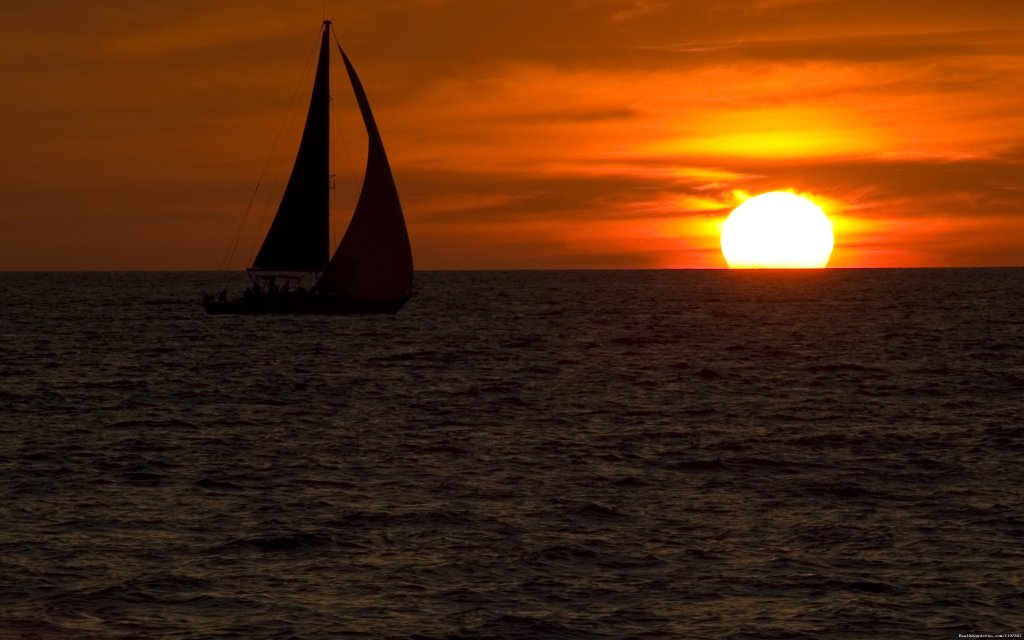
[777,230]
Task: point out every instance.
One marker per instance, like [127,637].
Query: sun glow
[777,230]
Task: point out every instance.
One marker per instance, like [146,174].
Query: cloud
[863,48]
[967,186]
[638,8]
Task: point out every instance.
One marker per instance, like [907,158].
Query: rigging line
[344,140]
[238,231]
[339,132]
[233,246]
[348,153]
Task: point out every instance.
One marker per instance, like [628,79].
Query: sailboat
[371,270]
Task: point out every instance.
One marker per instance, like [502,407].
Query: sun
[777,230]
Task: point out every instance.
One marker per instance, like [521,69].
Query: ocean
[561,454]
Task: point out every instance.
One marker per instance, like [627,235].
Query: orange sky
[523,134]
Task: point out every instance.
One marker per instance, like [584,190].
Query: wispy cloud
[637,9]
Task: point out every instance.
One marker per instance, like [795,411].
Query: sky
[522,134]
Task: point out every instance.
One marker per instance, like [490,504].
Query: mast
[299,237]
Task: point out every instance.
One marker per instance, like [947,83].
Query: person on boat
[272,286]
[222,297]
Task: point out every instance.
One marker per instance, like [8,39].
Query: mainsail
[299,237]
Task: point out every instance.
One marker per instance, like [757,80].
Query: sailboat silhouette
[371,270]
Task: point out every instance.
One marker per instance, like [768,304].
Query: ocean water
[566,455]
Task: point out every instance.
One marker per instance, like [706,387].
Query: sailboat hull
[317,305]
